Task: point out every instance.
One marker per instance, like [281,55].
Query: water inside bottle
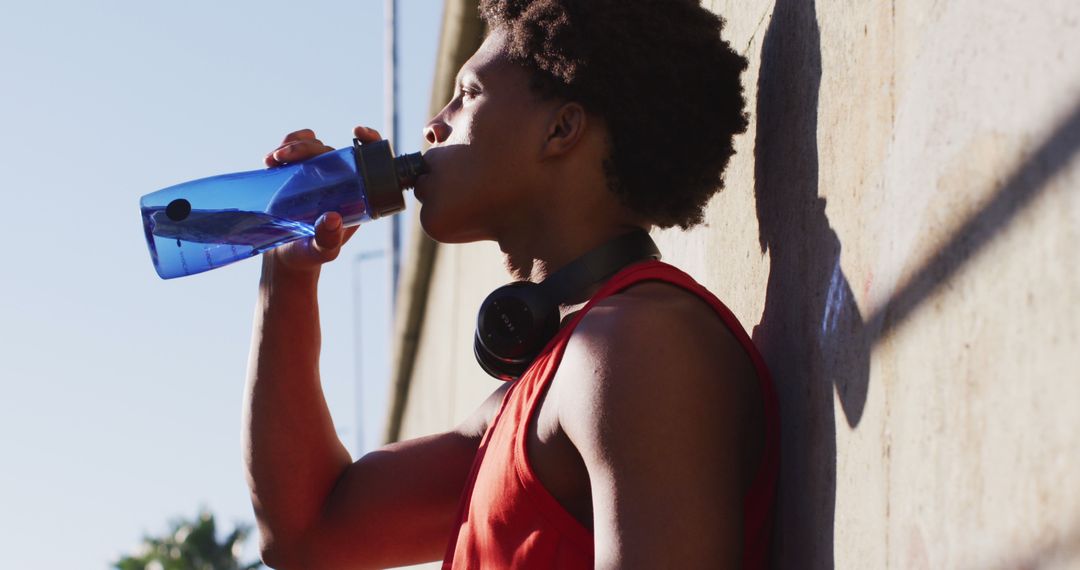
[208,238]
[207,223]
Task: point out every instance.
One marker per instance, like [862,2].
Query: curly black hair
[659,75]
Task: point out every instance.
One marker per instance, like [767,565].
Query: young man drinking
[643,433]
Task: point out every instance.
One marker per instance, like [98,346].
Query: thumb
[329,236]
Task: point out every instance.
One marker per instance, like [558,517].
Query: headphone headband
[597,264]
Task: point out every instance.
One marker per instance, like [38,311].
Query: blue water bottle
[203,224]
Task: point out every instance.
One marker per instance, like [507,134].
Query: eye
[469,92]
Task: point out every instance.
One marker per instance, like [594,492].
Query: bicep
[663,432]
[397,505]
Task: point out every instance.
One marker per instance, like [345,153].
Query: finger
[301,135]
[301,146]
[329,236]
[366,134]
[296,151]
[291,138]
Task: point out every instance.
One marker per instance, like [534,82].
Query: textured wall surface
[899,233]
[447,384]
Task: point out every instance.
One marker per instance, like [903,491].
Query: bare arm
[669,428]
[315,507]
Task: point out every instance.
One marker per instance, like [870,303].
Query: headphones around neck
[517,320]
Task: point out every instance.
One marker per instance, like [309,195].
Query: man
[645,435]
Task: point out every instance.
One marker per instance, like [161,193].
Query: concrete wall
[447,385]
[899,232]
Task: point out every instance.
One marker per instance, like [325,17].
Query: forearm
[292,453]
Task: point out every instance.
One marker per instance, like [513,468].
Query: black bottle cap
[385,176]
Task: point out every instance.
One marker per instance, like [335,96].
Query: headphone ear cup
[514,324]
[494,366]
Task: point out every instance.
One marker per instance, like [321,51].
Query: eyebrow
[465,74]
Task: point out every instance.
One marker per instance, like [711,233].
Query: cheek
[462,128]
[479,151]
[498,130]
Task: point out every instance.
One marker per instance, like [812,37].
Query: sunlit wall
[899,234]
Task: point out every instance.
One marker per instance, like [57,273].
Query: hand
[307,255]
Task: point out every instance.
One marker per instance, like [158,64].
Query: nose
[436,131]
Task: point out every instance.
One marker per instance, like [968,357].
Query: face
[485,146]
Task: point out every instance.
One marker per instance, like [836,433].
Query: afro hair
[659,75]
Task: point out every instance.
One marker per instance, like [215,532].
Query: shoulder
[655,327]
[658,350]
[662,403]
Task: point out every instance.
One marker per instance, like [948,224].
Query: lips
[432,157]
[418,189]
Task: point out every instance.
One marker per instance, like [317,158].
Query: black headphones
[517,320]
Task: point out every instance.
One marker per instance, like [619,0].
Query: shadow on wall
[810,328]
[811,332]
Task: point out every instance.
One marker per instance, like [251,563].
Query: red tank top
[507,519]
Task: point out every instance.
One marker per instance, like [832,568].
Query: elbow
[271,560]
[274,556]
[295,556]
[279,555]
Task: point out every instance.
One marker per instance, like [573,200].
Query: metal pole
[390,95]
[393,248]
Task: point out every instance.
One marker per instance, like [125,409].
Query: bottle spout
[409,167]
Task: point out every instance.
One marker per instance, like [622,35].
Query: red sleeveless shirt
[507,519]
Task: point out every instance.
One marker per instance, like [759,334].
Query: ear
[567,126]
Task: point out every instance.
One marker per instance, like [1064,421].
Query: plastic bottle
[208,223]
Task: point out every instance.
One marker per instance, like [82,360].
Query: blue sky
[121,393]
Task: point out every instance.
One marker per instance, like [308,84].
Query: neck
[535,257]
[579,213]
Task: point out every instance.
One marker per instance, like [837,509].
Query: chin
[449,227]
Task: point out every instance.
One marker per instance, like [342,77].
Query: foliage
[190,545]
